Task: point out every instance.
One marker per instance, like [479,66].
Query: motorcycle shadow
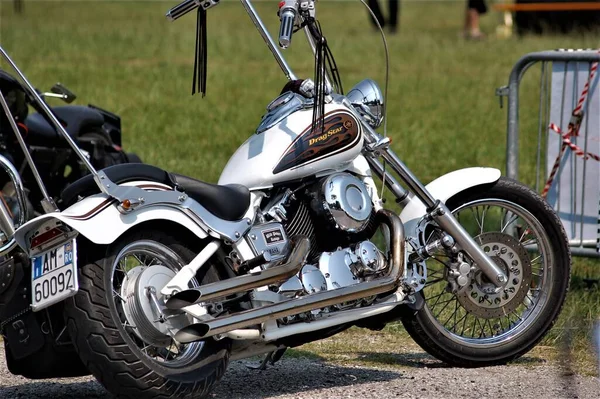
[423,360]
[295,375]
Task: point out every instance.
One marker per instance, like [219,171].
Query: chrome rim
[478,316]
[142,255]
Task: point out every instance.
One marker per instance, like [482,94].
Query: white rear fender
[98,219]
[444,188]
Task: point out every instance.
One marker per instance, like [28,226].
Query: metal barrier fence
[563,155]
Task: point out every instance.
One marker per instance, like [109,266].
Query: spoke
[437,280]
[514,313]
[529,242]
[489,323]
[117,295]
[120,266]
[439,260]
[437,296]
[482,334]
[453,313]
[473,328]
[464,320]
[139,260]
[534,260]
[154,260]
[511,221]
[475,212]
[445,306]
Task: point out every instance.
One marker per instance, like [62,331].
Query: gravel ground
[303,378]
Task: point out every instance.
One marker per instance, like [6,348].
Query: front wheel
[480,324]
[120,336]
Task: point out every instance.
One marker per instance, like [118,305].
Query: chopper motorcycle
[157,280]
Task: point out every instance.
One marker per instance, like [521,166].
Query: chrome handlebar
[181,9]
[288,11]
[189,5]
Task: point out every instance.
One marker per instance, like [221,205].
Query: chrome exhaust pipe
[295,261]
[200,331]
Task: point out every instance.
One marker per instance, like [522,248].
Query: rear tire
[540,301]
[112,352]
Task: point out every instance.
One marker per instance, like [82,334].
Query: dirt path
[303,378]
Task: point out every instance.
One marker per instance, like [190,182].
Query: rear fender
[98,219]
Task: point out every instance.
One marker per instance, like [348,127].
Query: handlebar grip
[286,29]
[181,9]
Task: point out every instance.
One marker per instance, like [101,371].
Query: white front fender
[445,187]
[98,219]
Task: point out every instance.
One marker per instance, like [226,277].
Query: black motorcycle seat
[228,202]
[73,117]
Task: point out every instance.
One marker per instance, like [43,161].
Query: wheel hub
[482,298]
[143,314]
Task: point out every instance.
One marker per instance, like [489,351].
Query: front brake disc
[482,298]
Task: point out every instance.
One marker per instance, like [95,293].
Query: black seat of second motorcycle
[75,117]
[229,202]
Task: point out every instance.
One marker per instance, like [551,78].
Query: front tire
[476,326]
[98,320]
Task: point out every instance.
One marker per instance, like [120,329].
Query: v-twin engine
[340,268]
[337,220]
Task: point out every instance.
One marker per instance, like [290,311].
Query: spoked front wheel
[471,322]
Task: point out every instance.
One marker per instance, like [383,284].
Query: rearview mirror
[67,95]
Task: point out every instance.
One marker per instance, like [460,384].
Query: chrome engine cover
[347,202]
[347,266]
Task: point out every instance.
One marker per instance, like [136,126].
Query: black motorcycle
[96,131]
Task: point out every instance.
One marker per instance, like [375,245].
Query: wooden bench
[532,16]
[563,6]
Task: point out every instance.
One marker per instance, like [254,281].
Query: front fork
[436,210]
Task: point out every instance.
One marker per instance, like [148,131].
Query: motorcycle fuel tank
[291,149]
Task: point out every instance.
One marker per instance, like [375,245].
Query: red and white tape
[572,131]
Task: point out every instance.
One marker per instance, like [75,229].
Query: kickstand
[271,357]
[263,364]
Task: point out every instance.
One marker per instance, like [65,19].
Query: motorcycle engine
[345,201]
[336,214]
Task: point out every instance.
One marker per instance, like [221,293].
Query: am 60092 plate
[54,276]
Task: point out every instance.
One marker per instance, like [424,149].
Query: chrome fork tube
[264,33]
[402,196]
[436,209]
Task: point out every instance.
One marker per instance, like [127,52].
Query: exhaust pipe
[297,258]
[200,331]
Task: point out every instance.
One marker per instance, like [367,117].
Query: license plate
[53,276]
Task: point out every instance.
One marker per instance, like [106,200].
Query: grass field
[443,115]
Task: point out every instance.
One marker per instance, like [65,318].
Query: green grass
[443,115]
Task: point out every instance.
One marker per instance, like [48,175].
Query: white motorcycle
[156,280]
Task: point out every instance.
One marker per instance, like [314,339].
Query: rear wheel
[119,333]
[480,324]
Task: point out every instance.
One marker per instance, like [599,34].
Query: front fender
[98,219]
[445,187]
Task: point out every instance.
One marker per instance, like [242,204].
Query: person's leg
[474,9]
[374,4]
[474,22]
[394,11]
